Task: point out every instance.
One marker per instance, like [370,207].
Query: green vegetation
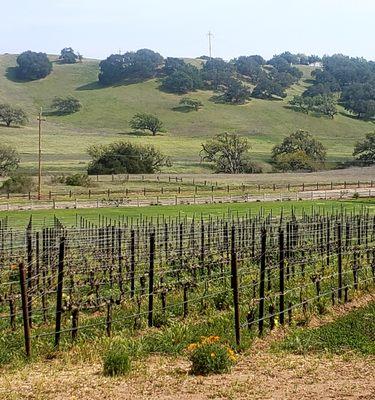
[68,56]
[364,151]
[107,110]
[125,157]
[116,360]
[299,151]
[146,122]
[18,183]
[352,332]
[66,105]
[12,115]
[9,160]
[33,66]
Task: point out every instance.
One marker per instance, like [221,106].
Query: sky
[98,28]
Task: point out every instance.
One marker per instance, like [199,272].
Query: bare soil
[259,374]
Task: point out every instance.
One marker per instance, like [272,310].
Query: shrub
[78,180]
[209,356]
[18,184]
[125,158]
[116,360]
[66,105]
[194,104]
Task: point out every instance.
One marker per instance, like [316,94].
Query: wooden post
[132,263]
[339,261]
[262,279]
[59,290]
[151,281]
[281,276]
[235,288]
[25,310]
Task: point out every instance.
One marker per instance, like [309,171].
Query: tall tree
[33,66]
[68,56]
[364,150]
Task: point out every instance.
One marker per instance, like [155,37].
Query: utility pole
[210,36]
[40,120]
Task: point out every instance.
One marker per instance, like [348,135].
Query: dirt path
[334,194]
[260,374]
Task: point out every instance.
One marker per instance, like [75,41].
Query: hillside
[106,112]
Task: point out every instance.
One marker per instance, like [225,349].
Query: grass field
[21,218]
[106,112]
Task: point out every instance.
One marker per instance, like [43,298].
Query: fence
[102,277]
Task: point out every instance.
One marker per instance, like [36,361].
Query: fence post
[25,310]
[339,261]
[281,276]
[235,288]
[60,279]
[261,282]
[151,280]
[132,263]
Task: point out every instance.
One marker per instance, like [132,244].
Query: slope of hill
[106,112]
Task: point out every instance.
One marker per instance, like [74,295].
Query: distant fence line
[196,189]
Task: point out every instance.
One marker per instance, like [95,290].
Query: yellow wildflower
[192,347]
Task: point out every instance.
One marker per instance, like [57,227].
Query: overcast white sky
[97,28]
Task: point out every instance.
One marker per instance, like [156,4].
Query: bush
[209,356]
[78,180]
[125,158]
[116,360]
[18,184]
[66,105]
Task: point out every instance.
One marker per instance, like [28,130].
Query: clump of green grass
[116,360]
[352,332]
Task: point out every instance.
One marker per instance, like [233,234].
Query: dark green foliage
[359,98]
[18,184]
[12,115]
[68,56]
[364,151]
[33,66]
[66,105]
[299,151]
[144,121]
[352,332]
[194,104]
[236,92]
[217,72]
[316,90]
[125,157]
[251,67]
[184,79]
[116,360]
[142,64]
[268,89]
[282,65]
[9,160]
[229,153]
[78,180]
[173,64]
[321,104]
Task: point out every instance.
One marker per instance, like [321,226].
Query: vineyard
[59,283]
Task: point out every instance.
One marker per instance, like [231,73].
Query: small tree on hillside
[68,56]
[299,151]
[229,153]
[364,151]
[66,105]
[9,160]
[12,115]
[236,92]
[143,121]
[268,89]
[194,104]
[32,66]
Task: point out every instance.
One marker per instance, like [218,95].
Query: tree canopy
[144,121]
[9,160]
[229,153]
[299,151]
[33,66]
[142,64]
[66,105]
[364,150]
[68,56]
[125,157]
[12,115]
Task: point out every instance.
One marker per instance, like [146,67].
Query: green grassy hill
[106,112]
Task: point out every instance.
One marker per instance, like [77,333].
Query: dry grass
[260,374]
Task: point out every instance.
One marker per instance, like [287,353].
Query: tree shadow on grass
[11,74]
[136,133]
[96,85]
[183,109]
